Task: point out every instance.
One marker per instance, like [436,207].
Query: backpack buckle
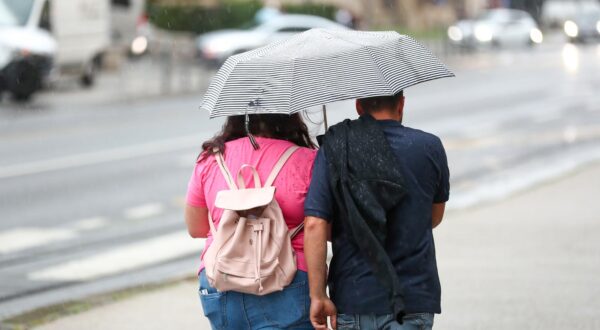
[257,227]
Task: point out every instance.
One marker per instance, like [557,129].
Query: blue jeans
[417,321]
[287,309]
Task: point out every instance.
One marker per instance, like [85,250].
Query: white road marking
[97,157]
[570,134]
[149,252]
[547,117]
[179,201]
[481,130]
[144,211]
[89,224]
[187,160]
[25,238]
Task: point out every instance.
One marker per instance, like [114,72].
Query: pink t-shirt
[291,184]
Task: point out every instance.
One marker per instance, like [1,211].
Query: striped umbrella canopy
[317,67]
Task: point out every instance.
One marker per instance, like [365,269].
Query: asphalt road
[91,194]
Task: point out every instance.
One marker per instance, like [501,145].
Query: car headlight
[598,26]
[216,47]
[139,45]
[571,29]
[536,36]
[483,33]
[455,33]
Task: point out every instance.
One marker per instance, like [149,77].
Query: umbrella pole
[325,117]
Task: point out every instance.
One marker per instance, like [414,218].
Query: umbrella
[317,67]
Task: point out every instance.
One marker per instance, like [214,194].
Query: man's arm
[443,185]
[316,231]
[437,213]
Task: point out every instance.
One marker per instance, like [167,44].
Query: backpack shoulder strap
[279,165]
[293,232]
[213,230]
[226,174]
[230,182]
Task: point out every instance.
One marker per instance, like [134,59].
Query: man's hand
[320,309]
[315,252]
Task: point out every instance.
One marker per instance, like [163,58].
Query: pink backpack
[251,251]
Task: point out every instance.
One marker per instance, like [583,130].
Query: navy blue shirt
[352,286]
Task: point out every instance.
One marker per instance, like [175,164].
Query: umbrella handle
[325,117]
[250,136]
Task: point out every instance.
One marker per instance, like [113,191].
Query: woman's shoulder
[204,162]
[306,153]
[205,157]
[301,154]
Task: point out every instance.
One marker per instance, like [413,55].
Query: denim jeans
[287,309]
[417,321]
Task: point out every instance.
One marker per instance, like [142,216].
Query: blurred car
[583,27]
[27,50]
[215,47]
[131,29]
[144,38]
[555,13]
[498,28]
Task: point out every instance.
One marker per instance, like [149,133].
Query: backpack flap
[244,199]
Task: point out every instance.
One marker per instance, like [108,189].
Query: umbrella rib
[380,70]
[368,49]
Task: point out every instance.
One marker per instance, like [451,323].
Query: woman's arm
[196,219]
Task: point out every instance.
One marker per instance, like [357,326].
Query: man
[361,291]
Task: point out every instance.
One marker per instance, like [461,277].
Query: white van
[38,37]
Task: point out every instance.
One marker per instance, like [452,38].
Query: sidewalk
[529,262]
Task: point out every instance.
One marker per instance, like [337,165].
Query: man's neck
[386,115]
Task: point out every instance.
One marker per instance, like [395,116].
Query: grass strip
[48,314]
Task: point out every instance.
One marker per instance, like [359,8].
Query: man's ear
[359,109]
[400,107]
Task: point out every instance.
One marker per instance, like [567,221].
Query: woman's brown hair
[276,126]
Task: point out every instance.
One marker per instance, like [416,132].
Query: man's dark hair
[376,103]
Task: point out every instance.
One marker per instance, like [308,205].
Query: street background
[92,183]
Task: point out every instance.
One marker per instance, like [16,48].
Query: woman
[270,136]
